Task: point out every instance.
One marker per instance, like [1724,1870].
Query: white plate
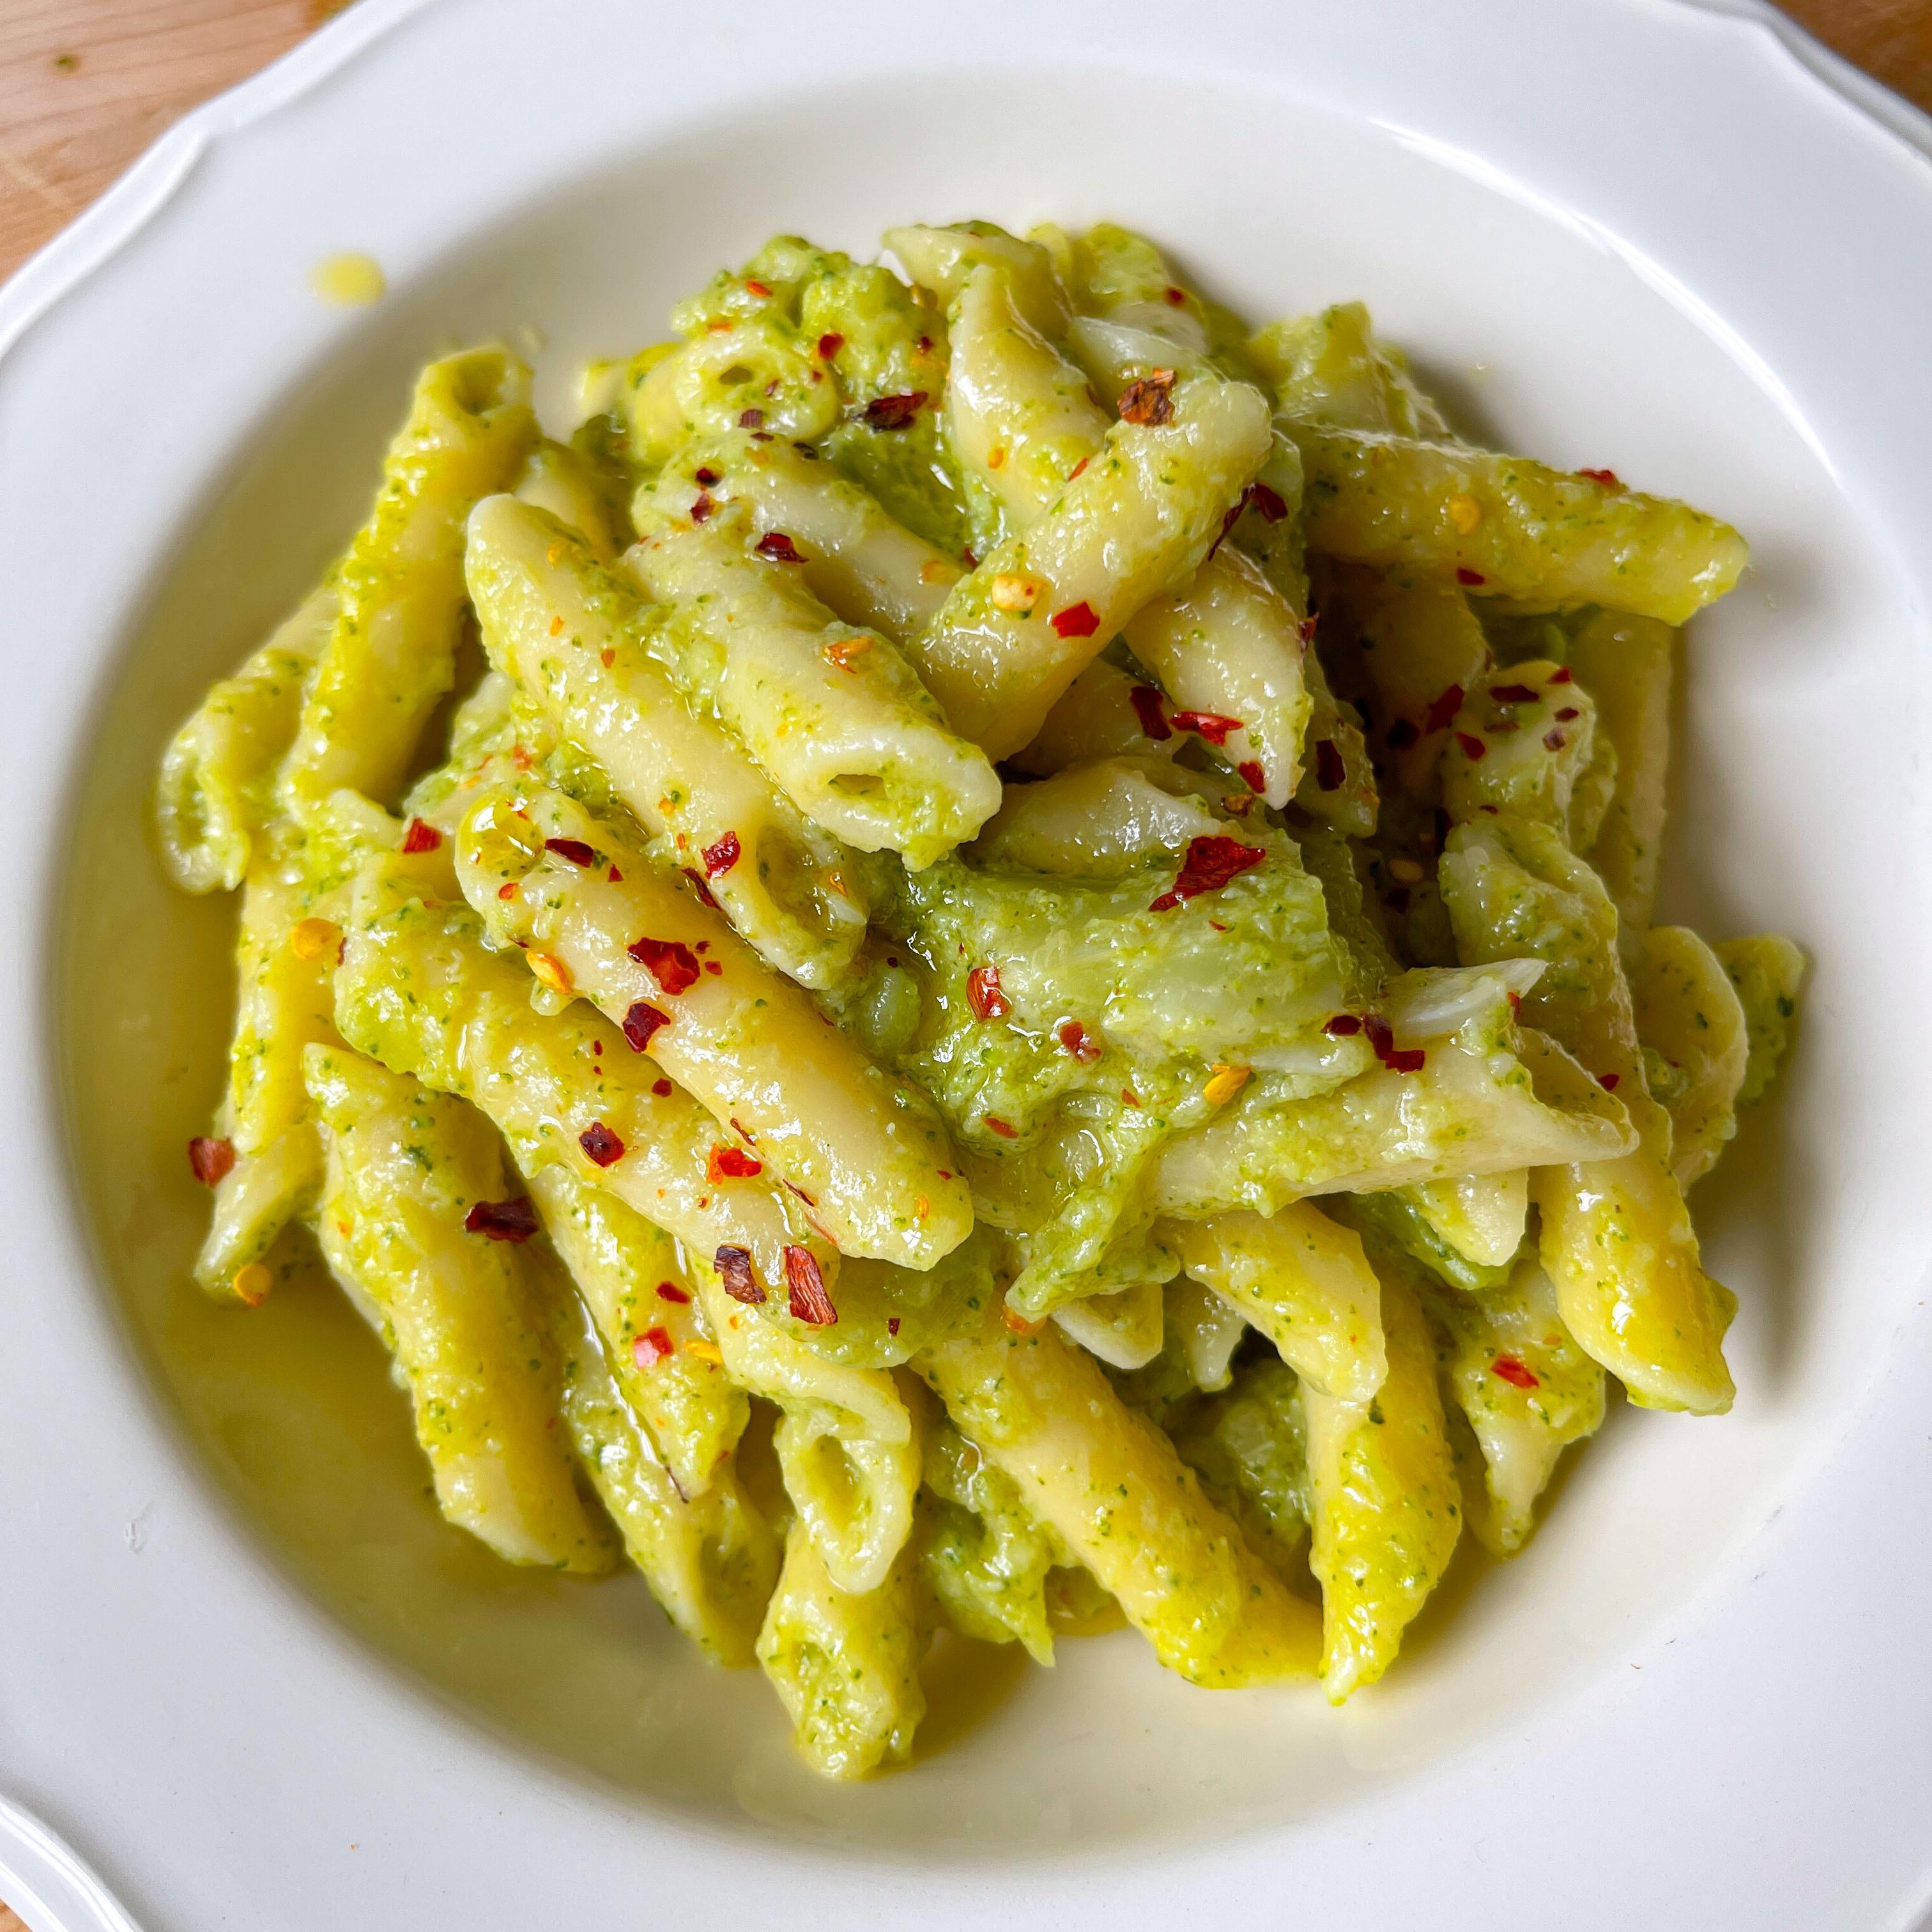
[247,1671]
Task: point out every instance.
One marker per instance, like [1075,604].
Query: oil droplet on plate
[351,279]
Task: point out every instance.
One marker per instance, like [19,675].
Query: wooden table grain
[86,85]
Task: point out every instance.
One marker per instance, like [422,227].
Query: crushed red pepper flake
[1174,297]
[661,1088]
[575,850]
[698,886]
[703,507]
[650,1348]
[1078,467]
[1442,707]
[1211,726]
[1515,1000]
[984,996]
[669,962]
[1330,770]
[1561,675]
[779,548]
[829,344]
[1472,748]
[757,288]
[1568,712]
[669,1291]
[1608,478]
[721,856]
[734,1269]
[1553,739]
[601,1145]
[1465,575]
[1149,399]
[705,475]
[210,1159]
[892,1325]
[730,1163]
[1129,1097]
[1269,503]
[1512,693]
[1077,620]
[1149,708]
[750,419]
[1342,1026]
[1005,1129]
[1212,859]
[1518,1374]
[507,891]
[616,878]
[1608,1081]
[421,837]
[1252,774]
[807,1300]
[503,1220]
[894,411]
[1076,1039]
[641,1020]
[1380,1036]
[712,967]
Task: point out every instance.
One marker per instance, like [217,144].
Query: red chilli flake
[730,1163]
[1174,297]
[503,1220]
[1252,774]
[750,419]
[670,962]
[1228,522]
[1149,400]
[757,288]
[1074,1037]
[1608,1081]
[1464,575]
[698,886]
[661,1088]
[1381,1037]
[1077,620]
[712,966]
[601,1145]
[1078,467]
[1445,707]
[210,1159]
[1402,734]
[1473,748]
[734,1269]
[892,1325]
[1212,860]
[1329,769]
[640,1022]
[807,1301]
[894,411]
[1512,693]
[575,850]
[702,508]
[707,476]
[779,548]
[421,837]
[1149,710]
[1568,712]
[1269,502]
[1515,1002]
[650,1348]
[720,857]
[829,344]
[507,891]
[1608,478]
[1210,725]
[616,878]
[1342,1026]
[1561,675]
[984,996]
[1515,1372]
[669,1291]
[1553,739]
[1005,1129]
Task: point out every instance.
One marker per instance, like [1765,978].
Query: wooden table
[86,85]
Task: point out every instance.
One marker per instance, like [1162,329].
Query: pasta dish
[982,964]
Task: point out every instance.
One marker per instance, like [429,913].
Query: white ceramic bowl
[247,1669]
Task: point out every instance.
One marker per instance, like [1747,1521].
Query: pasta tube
[570,634]
[406,1168]
[1766,972]
[1111,1486]
[1695,1046]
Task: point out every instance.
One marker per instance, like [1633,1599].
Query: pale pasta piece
[845,1664]
[676,393]
[406,1168]
[1330,368]
[1300,1278]
[563,481]
[1098,819]
[1615,1235]
[1020,417]
[419,991]
[1766,971]
[1124,1329]
[945,259]
[1139,518]
[833,713]
[1103,714]
[845,1442]
[711,1561]
[1508,527]
[1695,1046]
[1386,1505]
[1524,742]
[1203,1330]
[391,653]
[668,1372]
[1110,1485]
[856,558]
[569,632]
[1626,664]
[1248,1445]
[214,795]
[1483,1216]
[1527,1389]
[867,1154]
